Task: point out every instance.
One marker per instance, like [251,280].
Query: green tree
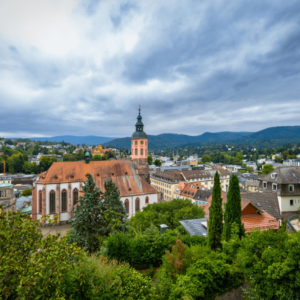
[150,160]
[97,215]
[233,208]
[278,159]
[96,158]
[26,192]
[215,223]
[157,162]
[206,158]
[32,265]
[267,169]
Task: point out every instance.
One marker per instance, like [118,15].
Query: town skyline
[84,67]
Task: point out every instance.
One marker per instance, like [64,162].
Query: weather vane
[139,109]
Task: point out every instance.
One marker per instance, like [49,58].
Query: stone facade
[7,197]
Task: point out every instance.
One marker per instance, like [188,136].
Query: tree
[26,192]
[206,158]
[215,223]
[32,265]
[278,159]
[96,158]
[150,160]
[157,162]
[233,208]
[267,169]
[97,214]
[46,162]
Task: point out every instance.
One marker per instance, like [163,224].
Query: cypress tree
[215,223]
[233,208]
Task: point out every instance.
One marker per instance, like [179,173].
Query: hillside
[172,140]
[88,140]
[284,133]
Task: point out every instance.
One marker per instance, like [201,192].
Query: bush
[142,251]
[96,278]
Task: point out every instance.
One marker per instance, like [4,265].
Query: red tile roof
[122,172]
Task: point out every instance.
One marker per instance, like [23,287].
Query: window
[291,202]
[265,184]
[142,151]
[147,200]
[64,201]
[75,196]
[291,188]
[135,142]
[136,152]
[137,204]
[274,187]
[40,201]
[126,204]
[3,194]
[52,202]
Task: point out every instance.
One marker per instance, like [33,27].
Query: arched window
[126,204]
[40,202]
[136,142]
[142,151]
[137,204]
[75,196]
[136,152]
[147,200]
[64,201]
[52,202]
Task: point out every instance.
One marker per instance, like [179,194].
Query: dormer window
[265,184]
[291,188]
[274,187]
[273,175]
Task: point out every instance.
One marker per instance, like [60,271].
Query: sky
[70,67]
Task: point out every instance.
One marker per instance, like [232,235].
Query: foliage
[215,223]
[26,192]
[267,169]
[157,162]
[176,257]
[145,249]
[206,158]
[233,208]
[150,160]
[96,158]
[32,266]
[169,213]
[97,214]
[96,278]
[270,262]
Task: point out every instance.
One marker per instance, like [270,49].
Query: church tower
[139,140]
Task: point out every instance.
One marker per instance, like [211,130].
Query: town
[149,150]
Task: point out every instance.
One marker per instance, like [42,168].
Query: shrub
[193,240]
[96,278]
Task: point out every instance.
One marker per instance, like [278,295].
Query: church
[57,190]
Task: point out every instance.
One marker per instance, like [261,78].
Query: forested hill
[289,134]
[172,140]
[278,135]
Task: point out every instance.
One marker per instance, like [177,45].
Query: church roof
[122,173]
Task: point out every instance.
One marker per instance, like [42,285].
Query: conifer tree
[233,208]
[215,223]
[96,215]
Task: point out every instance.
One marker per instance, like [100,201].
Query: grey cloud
[198,44]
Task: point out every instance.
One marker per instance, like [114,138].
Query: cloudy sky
[83,67]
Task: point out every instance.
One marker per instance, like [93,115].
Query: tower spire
[139,109]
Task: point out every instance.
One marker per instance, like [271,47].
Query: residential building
[7,197]
[99,150]
[57,190]
[77,150]
[62,151]
[285,181]
[267,201]
[166,182]
[252,165]
[277,154]
[194,192]
[261,160]
[36,158]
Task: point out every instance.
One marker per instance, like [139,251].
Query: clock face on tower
[142,142]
